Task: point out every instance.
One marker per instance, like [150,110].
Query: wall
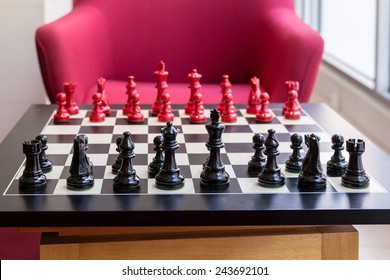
[20,78]
[367,112]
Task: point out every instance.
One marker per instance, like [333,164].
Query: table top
[181,209]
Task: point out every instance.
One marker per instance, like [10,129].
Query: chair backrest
[215,36]
[117,38]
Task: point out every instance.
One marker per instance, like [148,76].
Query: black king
[213,174]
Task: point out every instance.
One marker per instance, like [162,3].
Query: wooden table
[308,226]
[201,242]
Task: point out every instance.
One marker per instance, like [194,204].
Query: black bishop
[271,176]
[126,180]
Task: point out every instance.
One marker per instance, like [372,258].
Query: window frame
[310,12]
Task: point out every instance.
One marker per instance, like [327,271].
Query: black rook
[355,175]
[33,178]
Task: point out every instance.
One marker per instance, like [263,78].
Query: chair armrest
[83,58]
[290,50]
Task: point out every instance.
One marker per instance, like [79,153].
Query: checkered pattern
[192,153]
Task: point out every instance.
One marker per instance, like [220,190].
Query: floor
[374,242]
[374,239]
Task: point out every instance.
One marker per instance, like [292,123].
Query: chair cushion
[18,246]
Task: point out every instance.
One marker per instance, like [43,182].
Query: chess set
[191,203]
[204,163]
[191,154]
[193,164]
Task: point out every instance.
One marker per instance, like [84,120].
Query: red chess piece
[135,115]
[264,115]
[71,105]
[131,90]
[194,77]
[226,87]
[292,108]
[254,97]
[97,114]
[161,85]
[229,114]
[198,115]
[101,83]
[62,114]
[166,114]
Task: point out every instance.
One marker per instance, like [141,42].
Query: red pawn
[264,115]
[254,97]
[161,85]
[292,108]
[131,90]
[226,87]
[101,83]
[198,115]
[71,105]
[194,77]
[165,114]
[229,113]
[62,115]
[97,114]
[135,115]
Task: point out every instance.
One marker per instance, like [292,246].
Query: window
[356,36]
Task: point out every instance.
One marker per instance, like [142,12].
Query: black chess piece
[257,162]
[294,162]
[158,160]
[337,165]
[355,175]
[117,164]
[169,176]
[311,176]
[33,178]
[45,163]
[213,175]
[127,179]
[271,176]
[81,169]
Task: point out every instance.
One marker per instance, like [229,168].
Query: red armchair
[114,39]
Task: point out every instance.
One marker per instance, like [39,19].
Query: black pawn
[33,178]
[214,175]
[126,180]
[169,176]
[46,164]
[117,164]
[337,165]
[311,176]
[271,176]
[355,175]
[81,170]
[294,162]
[257,162]
[158,160]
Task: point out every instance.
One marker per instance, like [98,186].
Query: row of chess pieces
[257,101]
[163,166]
[213,176]
[311,175]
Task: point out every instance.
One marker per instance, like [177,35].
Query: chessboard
[244,196]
